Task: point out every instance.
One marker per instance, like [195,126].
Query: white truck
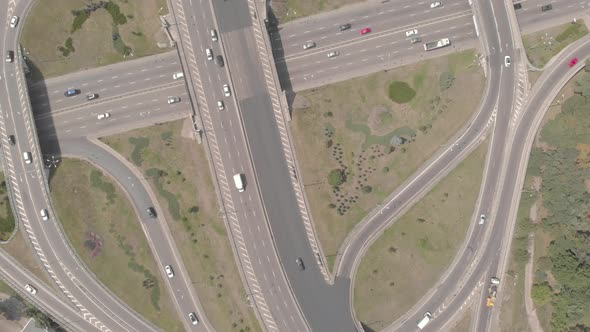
[425,320]
[238,182]
[437,44]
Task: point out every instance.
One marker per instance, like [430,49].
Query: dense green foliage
[336,177]
[565,167]
[401,92]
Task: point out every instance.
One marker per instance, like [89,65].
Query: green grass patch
[401,92]
[90,27]
[543,45]
[178,172]
[106,234]
[290,10]
[410,256]
[7,221]
[139,145]
[336,129]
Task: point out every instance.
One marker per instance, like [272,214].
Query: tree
[367,189]
[336,177]
[541,293]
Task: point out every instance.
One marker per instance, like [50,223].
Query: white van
[27,157]
[238,182]
[425,320]
[178,75]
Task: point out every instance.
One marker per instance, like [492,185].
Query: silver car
[308,45]
[333,54]
[173,100]
[226,91]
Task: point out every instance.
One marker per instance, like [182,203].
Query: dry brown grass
[410,256]
[361,112]
[289,10]
[200,236]
[49,24]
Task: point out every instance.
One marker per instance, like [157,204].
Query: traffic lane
[456,26]
[85,122]
[531,9]
[140,99]
[81,287]
[285,221]
[355,63]
[107,89]
[361,52]
[384,15]
[16,276]
[323,310]
[164,62]
[400,21]
[161,248]
[247,69]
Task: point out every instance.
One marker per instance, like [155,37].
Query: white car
[31,289]
[169,271]
[507,61]
[209,53]
[13,21]
[308,45]
[333,54]
[104,116]
[411,32]
[435,4]
[482,219]
[173,100]
[193,318]
[495,281]
[220,105]
[213,35]
[44,214]
[226,91]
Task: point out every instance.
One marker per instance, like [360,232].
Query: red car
[365,31]
[573,62]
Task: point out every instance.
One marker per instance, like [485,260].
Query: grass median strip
[410,256]
[177,169]
[105,232]
[65,36]
[358,140]
[543,45]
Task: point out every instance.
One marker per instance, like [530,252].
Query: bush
[336,177]
[446,80]
[367,189]
[541,293]
[115,11]
[401,92]
[80,16]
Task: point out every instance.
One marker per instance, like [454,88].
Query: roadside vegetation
[177,169]
[103,229]
[289,10]
[359,140]
[64,36]
[14,310]
[542,45]
[7,222]
[558,202]
[411,255]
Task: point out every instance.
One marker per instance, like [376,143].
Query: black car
[219,60]
[11,140]
[345,26]
[152,212]
[546,8]
[300,264]
[517,6]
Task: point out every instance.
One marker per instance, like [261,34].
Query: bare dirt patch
[346,128]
